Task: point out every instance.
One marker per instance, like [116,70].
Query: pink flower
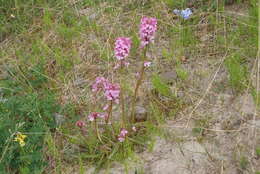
[80,123]
[105,107]
[121,139]
[123,132]
[93,116]
[147,64]
[99,84]
[147,30]
[122,47]
[122,135]
[112,92]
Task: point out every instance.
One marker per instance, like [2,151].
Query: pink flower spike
[112,92]
[147,30]
[122,47]
[147,64]
[80,123]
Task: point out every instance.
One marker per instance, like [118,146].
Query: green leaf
[160,86]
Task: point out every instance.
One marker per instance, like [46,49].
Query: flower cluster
[122,47]
[122,135]
[147,30]
[122,50]
[20,138]
[111,90]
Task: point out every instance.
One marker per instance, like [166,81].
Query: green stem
[97,133]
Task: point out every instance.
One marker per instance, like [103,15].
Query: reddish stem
[109,111]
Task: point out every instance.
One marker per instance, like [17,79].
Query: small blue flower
[183,13]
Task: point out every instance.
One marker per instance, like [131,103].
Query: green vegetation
[257,150]
[161,87]
[237,73]
[27,111]
[243,163]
